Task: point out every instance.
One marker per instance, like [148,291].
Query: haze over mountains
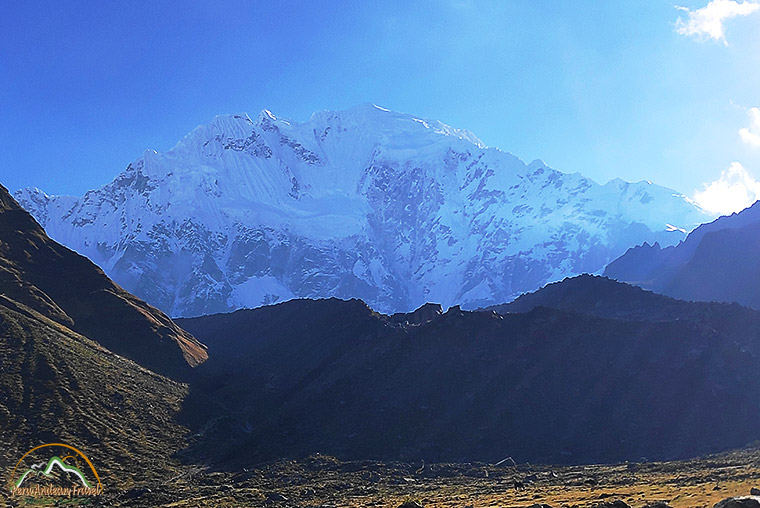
[363,203]
[716,262]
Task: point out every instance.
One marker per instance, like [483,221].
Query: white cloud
[751,134]
[708,21]
[734,191]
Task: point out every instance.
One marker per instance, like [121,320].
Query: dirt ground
[322,481]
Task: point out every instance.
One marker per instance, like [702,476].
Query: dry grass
[326,482]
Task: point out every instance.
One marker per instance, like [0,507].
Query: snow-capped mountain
[364,203]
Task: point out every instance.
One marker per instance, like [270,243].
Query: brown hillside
[71,290]
[58,386]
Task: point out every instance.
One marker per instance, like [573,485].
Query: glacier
[364,203]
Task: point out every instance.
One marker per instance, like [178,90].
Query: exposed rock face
[67,288]
[364,203]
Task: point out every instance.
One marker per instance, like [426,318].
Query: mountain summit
[362,203]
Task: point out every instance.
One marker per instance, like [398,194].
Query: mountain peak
[6,200]
[537,164]
[369,108]
[366,203]
[360,110]
[222,120]
[265,117]
[371,116]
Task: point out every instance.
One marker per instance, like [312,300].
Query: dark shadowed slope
[548,385]
[717,261]
[72,291]
[608,298]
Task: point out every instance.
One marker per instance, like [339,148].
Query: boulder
[612,504]
[739,502]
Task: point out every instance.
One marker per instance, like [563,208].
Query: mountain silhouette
[619,375]
[716,262]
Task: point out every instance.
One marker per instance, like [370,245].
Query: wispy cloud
[708,21]
[751,134]
[733,191]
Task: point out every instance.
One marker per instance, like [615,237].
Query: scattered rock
[658,504]
[136,492]
[754,492]
[370,476]
[410,504]
[351,467]
[739,502]
[276,497]
[613,504]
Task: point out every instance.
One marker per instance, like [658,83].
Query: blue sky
[609,89]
